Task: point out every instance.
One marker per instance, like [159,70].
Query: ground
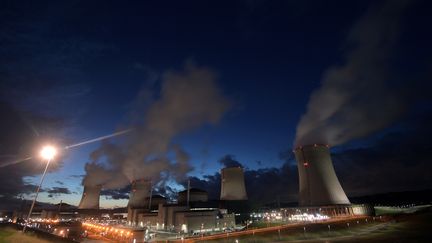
[12,235]
[414,227]
[404,227]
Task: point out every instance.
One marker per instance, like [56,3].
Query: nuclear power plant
[318,182]
[320,197]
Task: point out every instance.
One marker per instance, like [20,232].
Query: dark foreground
[13,233]
[416,227]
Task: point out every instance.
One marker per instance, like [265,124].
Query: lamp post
[48,153]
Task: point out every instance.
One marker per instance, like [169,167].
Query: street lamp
[48,152]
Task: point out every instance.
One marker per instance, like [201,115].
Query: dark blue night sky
[76,70]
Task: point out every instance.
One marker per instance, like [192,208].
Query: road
[267,229]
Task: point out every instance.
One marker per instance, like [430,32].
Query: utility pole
[188,193]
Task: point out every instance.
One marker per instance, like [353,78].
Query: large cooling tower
[318,182]
[232,184]
[140,193]
[90,197]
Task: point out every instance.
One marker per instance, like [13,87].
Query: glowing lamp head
[48,152]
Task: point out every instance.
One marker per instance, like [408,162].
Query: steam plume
[354,99]
[188,100]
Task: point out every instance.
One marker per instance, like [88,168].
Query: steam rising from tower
[187,100]
[232,184]
[140,194]
[90,197]
[355,99]
[318,182]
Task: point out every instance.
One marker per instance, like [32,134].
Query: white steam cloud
[188,100]
[356,99]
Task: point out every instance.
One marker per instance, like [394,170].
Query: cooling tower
[318,182]
[90,197]
[140,193]
[232,184]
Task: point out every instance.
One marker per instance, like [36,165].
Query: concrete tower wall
[90,197]
[232,184]
[318,182]
[140,193]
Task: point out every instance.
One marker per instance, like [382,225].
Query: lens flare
[48,152]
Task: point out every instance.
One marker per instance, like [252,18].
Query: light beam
[70,146]
[98,139]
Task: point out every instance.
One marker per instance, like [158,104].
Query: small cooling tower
[140,194]
[232,184]
[318,182]
[90,197]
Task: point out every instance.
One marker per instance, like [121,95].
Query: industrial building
[331,211]
[192,213]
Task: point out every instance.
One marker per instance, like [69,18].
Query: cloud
[209,183]
[188,99]
[267,185]
[59,182]
[59,190]
[116,194]
[397,161]
[23,133]
[166,191]
[123,193]
[108,174]
[229,161]
[361,96]
[41,68]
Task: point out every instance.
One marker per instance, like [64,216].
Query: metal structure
[90,197]
[192,195]
[318,182]
[233,184]
[140,194]
[37,193]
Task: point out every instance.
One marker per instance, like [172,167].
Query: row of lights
[308,217]
[50,221]
[267,215]
[107,229]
